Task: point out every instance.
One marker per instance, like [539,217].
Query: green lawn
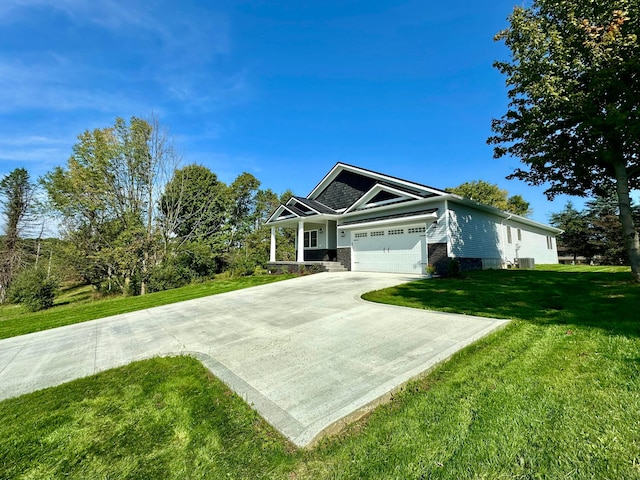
[76,306]
[556,394]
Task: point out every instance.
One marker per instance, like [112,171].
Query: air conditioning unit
[527,263]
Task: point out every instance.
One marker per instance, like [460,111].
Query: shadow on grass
[610,301]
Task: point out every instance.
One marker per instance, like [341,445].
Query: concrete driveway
[307,353]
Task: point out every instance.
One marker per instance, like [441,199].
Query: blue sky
[280,89]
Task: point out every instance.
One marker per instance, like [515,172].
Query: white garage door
[396,249]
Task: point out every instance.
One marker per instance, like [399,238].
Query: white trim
[503,241]
[300,245]
[438,196]
[357,226]
[292,221]
[272,246]
[381,208]
[375,190]
[279,211]
[338,167]
[310,247]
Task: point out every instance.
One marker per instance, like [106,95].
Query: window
[416,230]
[509,238]
[397,231]
[378,233]
[360,235]
[311,239]
[519,235]
[550,243]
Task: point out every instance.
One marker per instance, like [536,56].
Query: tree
[605,232]
[574,91]
[490,194]
[34,289]
[107,195]
[576,234]
[258,241]
[194,210]
[194,204]
[16,193]
[242,208]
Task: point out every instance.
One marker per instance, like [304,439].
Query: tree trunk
[145,269]
[630,233]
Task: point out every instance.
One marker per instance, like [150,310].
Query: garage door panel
[398,252]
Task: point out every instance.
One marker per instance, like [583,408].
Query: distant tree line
[594,233]
[132,218]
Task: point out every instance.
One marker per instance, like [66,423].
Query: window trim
[308,237]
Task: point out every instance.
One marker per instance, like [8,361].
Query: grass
[601,297]
[161,418]
[556,394]
[76,305]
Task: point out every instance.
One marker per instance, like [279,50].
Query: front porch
[315,240]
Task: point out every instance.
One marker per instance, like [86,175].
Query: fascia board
[338,167]
[278,211]
[373,210]
[312,219]
[377,188]
[375,223]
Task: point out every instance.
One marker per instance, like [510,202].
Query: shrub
[33,289]
[169,275]
[453,268]
[259,271]
[243,266]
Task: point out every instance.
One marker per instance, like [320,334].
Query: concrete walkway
[307,353]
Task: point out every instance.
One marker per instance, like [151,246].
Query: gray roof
[391,217]
[348,187]
[317,206]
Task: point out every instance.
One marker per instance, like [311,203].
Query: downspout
[502,242]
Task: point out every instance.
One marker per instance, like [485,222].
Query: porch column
[272,251]
[300,256]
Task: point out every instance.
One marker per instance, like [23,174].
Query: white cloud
[175,49]
[56,84]
[36,153]
[189,34]
[107,13]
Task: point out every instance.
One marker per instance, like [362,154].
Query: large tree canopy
[194,204]
[490,194]
[106,197]
[574,91]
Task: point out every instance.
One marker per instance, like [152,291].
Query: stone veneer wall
[344,257]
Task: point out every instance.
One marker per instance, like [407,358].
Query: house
[369,221]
